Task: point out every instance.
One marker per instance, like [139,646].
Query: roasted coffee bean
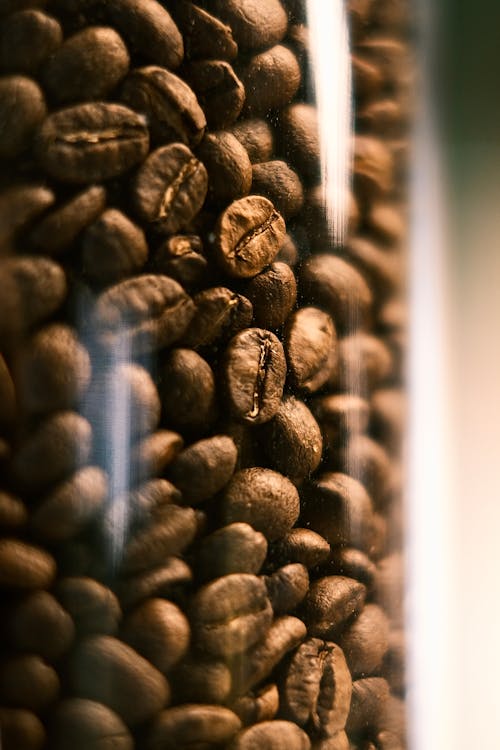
[21,730]
[273,294]
[145,313]
[170,106]
[394,662]
[254,25]
[231,614]
[331,602]
[147,28]
[386,222]
[365,363]
[315,228]
[205,36]
[389,586]
[204,468]
[219,91]
[300,139]
[159,581]
[390,55]
[271,80]
[255,665]
[369,702]
[248,235]
[159,631]
[70,506]
[236,548]
[287,587]
[87,66]
[339,741]
[272,735]
[382,269]
[104,670]
[198,679]
[366,641]
[257,137]
[260,705]
[79,724]
[341,415]
[220,313]
[266,500]
[317,688]
[254,371]
[19,206]
[373,167]
[24,566]
[338,507]
[22,109]
[27,38]
[388,417]
[113,247]
[301,546]
[92,606]
[8,406]
[54,370]
[187,391]
[292,440]
[56,448]
[56,232]
[192,725]
[383,117]
[149,499]
[360,16]
[173,531]
[276,181]
[365,460]
[353,563]
[367,76]
[228,166]
[13,512]
[38,624]
[28,682]
[170,188]
[311,346]
[181,257]
[150,456]
[91,142]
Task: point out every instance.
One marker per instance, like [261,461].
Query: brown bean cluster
[201,397]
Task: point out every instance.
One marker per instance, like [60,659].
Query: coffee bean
[8,406]
[331,602]
[150,456]
[219,91]
[390,55]
[159,581]
[254,370]
[173,531]
[28,682]
[170,188]
[273,294]
[21,730]
[316,221]
[70,506]
[259,705]
[311,344]
[56,232]
[395,661]
[287,587]
[271,80]
[231,614]
[256,136]
[87,66]
[204,468]
[292,440]
[104,670]
[254,25]
[113,248]
[301,546]
[79,724]
[369,701]
[249,234]
[22,109]
[339,741]
[205,36]
[341,415]
[351,562]
[38,624]
[19,206]
[365,460]
[56,448]
[365,362]
[383,117]
[170,106]
[272,735]
[149,499]
[23,566]
[367,76]
[383,270]
[147,312]
[13,512]
[9,6]
[198,679]
[337,287]
[220,313]
[388,416]
[91,142]
[236,548]
[338,507]
[262,498]
[300,139]
[366,641]
[373,167]
[27,38]
[192,725]
[93,607]
[276,181]
[387,222]
[187,391]
[148,28]
[159,631]
[317,688]
[390,586]
[228,166]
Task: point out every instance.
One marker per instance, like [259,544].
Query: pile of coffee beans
[201,396]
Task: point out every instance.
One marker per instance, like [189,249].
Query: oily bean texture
[84,725]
